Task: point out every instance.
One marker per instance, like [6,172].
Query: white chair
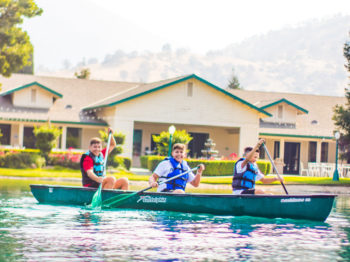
[302,169]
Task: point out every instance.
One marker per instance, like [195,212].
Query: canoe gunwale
[182,195]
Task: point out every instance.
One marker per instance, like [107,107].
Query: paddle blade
[97,199]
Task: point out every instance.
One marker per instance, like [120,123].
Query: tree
[342,114]
[119,139]
[234,82]
[162,140]
[84,74]
[15,47]
[46,139]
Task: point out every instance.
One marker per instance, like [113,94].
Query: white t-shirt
[165,167]
[241,169]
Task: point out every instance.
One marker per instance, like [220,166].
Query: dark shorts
[248,191]
[93,184]
[167,190]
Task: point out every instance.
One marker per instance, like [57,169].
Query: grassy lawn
[69,173]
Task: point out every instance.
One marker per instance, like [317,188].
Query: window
[73,137]
[324,152]
[276,150]
[5,130]
[280,111]
[137,143]
[33,95]
[312,151]
[189,89]
[29,137]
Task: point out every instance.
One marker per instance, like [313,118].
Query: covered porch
[227,139]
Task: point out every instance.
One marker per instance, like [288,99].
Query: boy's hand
[153,184]
[110,130]
[201,168]
[261,141]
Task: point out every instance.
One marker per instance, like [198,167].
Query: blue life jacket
[246,179]
[98,167]
[177,183]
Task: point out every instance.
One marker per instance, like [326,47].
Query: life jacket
[98,167]
[177,183]
[246,179]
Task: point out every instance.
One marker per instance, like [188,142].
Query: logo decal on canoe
[295,200]
[149,199]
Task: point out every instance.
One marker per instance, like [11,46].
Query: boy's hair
[95,140]
[248,149]
[179,146]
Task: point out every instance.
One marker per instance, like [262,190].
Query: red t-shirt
[88,163]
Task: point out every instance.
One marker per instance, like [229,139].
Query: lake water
[35,232]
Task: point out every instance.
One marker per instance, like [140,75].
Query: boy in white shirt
[173,166]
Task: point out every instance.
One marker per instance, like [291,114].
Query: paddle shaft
[274,167]
[148,188]
[107,151]
[97,199]
[172,178]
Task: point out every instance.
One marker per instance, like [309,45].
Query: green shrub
[119,161]
[65,159]
[214,167]
[22,160]
[144,160]
[127,162]
[46,139]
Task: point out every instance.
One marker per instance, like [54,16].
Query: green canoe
[311,207]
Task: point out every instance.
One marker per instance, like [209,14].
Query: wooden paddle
[274,167]
[97,198]
[117,200]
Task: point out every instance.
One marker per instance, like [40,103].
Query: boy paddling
[173,166]
[92,164]
[246,172]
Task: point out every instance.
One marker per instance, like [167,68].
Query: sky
[83,29]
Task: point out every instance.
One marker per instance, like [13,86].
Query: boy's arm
[112,144]
[268,180]
[197,179]
[92,175]
[251,153]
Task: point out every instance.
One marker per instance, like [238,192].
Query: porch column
[20,135]
[318,152]
[125,126]
[282,149]
[64,138]
[248,136]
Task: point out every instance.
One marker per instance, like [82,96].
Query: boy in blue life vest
[246,172]
[173,166]
[92,165]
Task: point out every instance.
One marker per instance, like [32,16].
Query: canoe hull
[311,207]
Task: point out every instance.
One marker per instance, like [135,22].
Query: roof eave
[260,110]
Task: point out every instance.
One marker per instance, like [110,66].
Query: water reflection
[34,232]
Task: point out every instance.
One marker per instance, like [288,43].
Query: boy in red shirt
[92,164]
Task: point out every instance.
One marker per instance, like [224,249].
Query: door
[197,144]
[137,147]
[291,158]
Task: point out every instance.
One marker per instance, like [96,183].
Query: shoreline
[274,189]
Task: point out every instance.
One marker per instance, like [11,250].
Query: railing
[327,170]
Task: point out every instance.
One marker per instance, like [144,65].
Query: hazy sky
[77,29]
